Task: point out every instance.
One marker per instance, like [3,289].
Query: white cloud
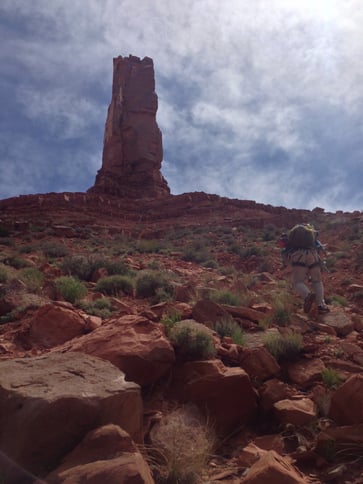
[251,94]
[67,114]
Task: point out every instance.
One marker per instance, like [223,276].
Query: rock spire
[132,149]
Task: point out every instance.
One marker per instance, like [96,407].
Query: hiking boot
[308,302]
[323,309]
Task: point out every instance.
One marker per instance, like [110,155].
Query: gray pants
[304,267]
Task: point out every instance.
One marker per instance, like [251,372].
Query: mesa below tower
[132,147]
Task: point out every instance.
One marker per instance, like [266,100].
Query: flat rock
[338,320]
[48,404]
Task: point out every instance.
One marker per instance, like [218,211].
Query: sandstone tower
[132,148]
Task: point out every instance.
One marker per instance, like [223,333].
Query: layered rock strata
[132,150]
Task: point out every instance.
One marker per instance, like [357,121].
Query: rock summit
[132,149]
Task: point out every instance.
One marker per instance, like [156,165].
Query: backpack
[302,237]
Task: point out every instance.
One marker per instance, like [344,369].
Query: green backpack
[302,237]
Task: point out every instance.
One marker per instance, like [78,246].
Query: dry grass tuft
[181,445]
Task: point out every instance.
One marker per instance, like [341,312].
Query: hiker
[300,249]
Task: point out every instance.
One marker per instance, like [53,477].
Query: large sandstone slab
[134,344]
[48,404]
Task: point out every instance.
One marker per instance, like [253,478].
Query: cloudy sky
[258,99]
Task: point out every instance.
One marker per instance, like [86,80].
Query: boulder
[244,313]
[306,372]
[106,454]
[224,394]
[347,402]
[132,149]
[208,312]
[48,404]
[295,412]
[340,321]
[54,324]
[259,364]
[134,344]
[271,392]
[272,468]
[347,437]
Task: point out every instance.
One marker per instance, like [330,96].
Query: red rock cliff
[132,150]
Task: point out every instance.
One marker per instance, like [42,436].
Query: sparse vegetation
[114,285]
[3,274]
[170,319]
[17,262]
[100,307]
[71,289]
[83,267]
[32,278]
[229,327]
[283,347]
[339,300]
[153,283]
[145,246]
[54,249]
[331,377]
[192,341]
[4,232]
[225,297]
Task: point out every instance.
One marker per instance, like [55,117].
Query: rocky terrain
[92,373]
[153,338]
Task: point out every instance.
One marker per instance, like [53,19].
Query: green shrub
[359,259]
[281,311]
[192,341]
[71,289]
[3,274]
[331,378]
[100,307]
[149,283]
[170,319]
[197,252]
[4,232]
[78,266]
[247,252]
[17,262]
[83,267]
[283,347]
[149,246]
[229,327]
[32,278]
[225,297]
[113,285]
[210,264]
[339,300]
[54,249]
[269,233]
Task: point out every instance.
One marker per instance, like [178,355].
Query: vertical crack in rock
[132,149]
